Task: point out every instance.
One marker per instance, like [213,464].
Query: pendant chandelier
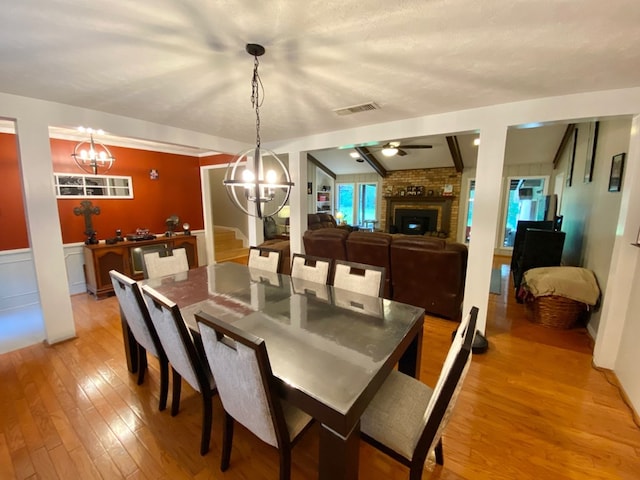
[257,181]
[96,159]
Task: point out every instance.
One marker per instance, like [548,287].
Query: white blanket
[575,283]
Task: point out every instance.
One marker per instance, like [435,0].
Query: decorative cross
[87,210]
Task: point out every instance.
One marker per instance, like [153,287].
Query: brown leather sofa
[333,239]
[425,271]
[429,274]
[316,221]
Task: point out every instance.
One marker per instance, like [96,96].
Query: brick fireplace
[433,181]
[419,215]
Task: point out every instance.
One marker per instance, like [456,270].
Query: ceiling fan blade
[417,146]
[401,152]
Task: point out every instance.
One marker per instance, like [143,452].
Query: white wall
[590,211]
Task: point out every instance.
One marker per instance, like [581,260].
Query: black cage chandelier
[257,181]
[93,157]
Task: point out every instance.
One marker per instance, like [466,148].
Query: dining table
[330,349]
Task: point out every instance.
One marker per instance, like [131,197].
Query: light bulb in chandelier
[253,191]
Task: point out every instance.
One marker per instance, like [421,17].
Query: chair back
[359,278]
[372,248]
[240,365]
[155,266]
[300,286]
[310,268]
[266,259]
[449,384]
[176,340]
[135,312]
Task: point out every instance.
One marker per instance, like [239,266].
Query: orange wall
[12,218]
[176,191]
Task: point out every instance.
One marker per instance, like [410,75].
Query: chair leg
[438,452]
[227,441]
[164,382]
[142,363]
[175,400]
[285,462]
[206,422]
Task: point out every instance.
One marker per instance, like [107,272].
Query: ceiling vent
[364,107]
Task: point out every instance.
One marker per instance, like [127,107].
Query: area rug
[496,282]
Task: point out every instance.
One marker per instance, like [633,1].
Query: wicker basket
[555,311]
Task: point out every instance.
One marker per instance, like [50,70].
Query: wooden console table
[101,258]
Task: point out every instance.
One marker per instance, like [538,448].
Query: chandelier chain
[256,87]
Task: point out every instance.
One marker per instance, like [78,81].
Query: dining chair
[359,278]
[186,362]
[267,259]
[134,310]
[406,418]
[155,266]
[311,268]
[247,388]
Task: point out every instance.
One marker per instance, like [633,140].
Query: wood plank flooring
[532,408]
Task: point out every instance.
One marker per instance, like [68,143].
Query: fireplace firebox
[416,221]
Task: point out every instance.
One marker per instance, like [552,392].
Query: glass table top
[324,342]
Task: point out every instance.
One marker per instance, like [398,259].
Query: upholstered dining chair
[359,278]
[186,362]
[155,266]
[267,259]
[137,317]
[406,418]
[310,268]
[247,389]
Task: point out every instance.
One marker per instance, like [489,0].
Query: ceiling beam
[563,143]
[456,155]
[366,154]
[321,166]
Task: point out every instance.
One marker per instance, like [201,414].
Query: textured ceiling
[183,63]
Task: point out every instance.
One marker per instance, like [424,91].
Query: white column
[485,220]
[43,224]
[298,200]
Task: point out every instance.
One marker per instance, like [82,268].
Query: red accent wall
[12,217]
[176,191]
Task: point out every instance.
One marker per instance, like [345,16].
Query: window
[525,200]
[92,186]
[472,194]
[344,203]
[357,203]
[366,202]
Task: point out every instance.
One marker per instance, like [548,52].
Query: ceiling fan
[391,149]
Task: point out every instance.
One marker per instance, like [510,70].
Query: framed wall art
[617,168]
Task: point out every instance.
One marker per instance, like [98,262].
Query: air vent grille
[364,107]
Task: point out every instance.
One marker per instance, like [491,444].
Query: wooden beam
[563,143]
[372,160]
[321,166]
[456,155]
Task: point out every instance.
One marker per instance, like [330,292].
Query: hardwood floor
[532,407]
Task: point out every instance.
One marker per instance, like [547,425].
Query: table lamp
[285,212]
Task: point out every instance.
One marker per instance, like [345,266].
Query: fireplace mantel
[442,203]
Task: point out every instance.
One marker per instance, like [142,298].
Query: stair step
[231,254]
